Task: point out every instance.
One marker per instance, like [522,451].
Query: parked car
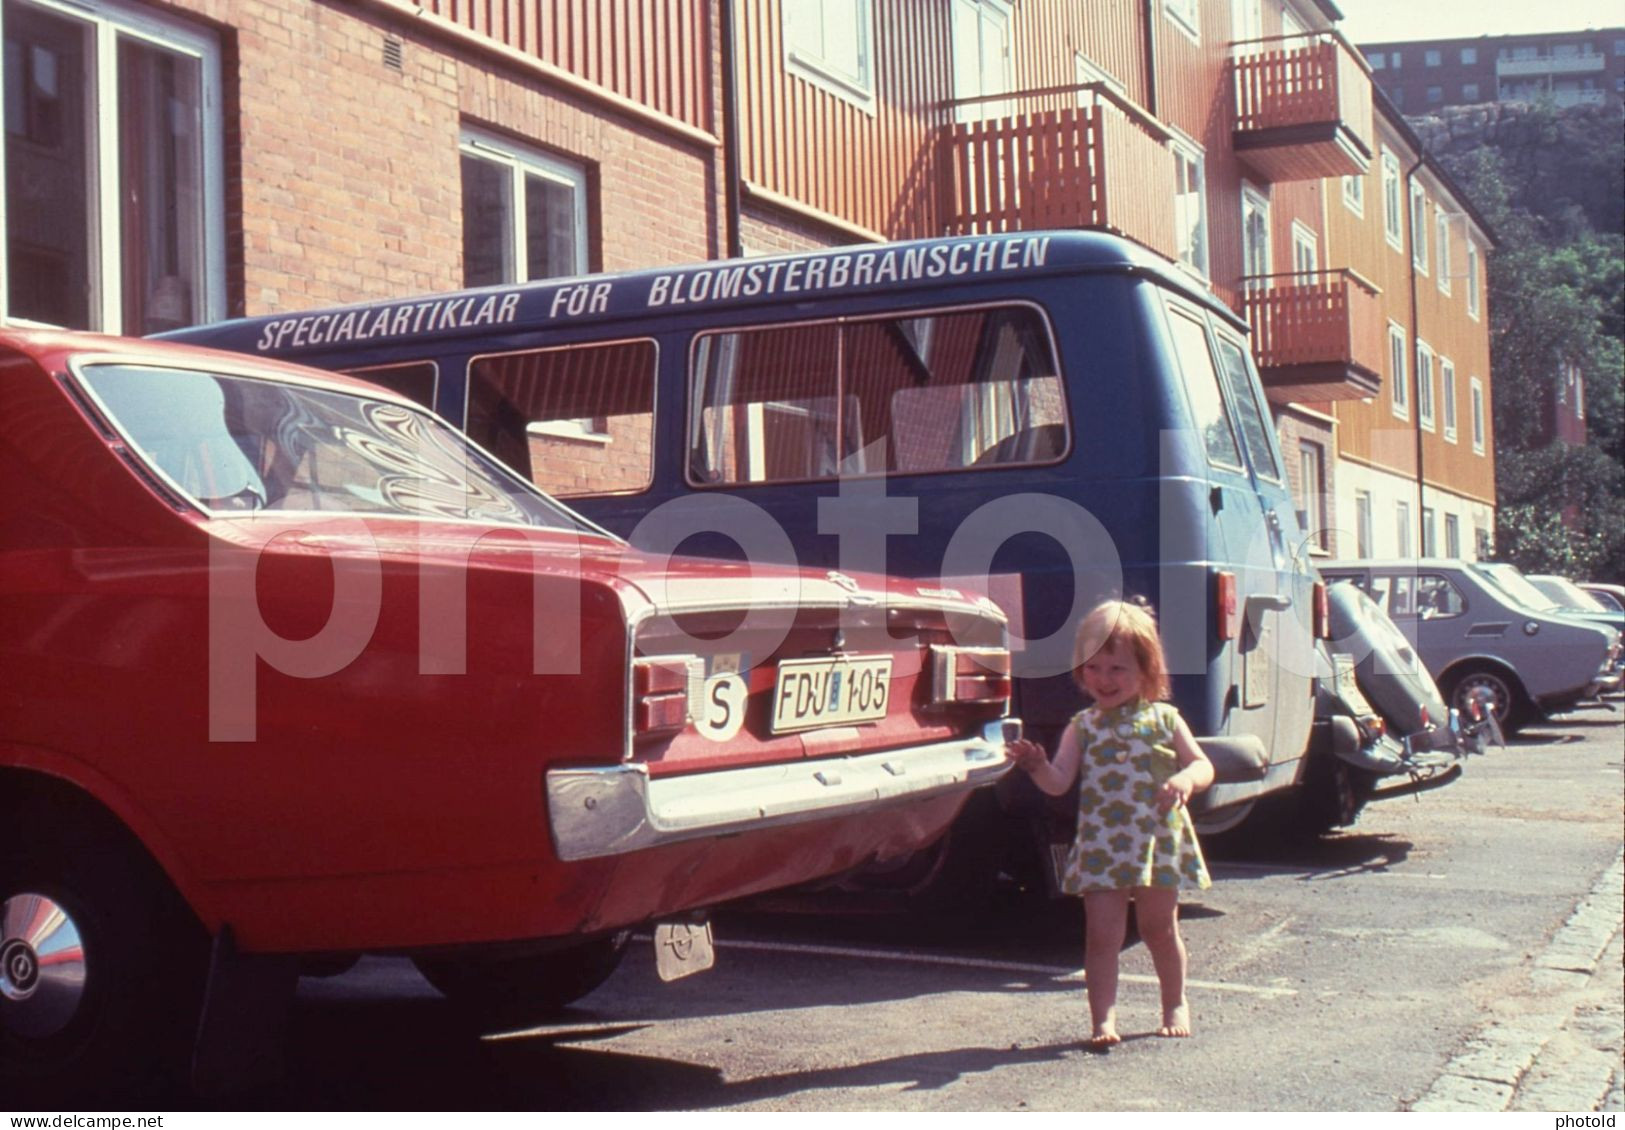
[1394,679]
[294,671]
[1558,595]
[1609,596]
[1572,600]
[1479,643]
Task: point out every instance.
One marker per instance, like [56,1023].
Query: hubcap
[1491,692]
[42,966]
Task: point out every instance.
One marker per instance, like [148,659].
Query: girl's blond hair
[1121,623]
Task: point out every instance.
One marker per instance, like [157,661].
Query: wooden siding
[656,53]
[1305,84]
[868,166]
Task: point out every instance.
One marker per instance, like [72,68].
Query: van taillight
[1427,721]
[977,675]
[1323,612]
[661,689]
[1226,605]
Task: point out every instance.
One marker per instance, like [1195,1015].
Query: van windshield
[236,443]
[901,395]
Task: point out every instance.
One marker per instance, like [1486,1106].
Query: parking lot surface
[1457,950]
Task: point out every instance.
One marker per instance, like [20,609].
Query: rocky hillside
[1552,159]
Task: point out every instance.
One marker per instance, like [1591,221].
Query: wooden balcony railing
[1316,335]
[1303,107]
[1103,164]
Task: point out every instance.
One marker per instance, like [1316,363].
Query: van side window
[1437,598]
[414,379]
[902,395]
[575,421]
[1202,386]
[1402,597]
[1255,432]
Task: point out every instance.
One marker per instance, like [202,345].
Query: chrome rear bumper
[620,808]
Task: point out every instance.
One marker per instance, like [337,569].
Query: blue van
[1045,418]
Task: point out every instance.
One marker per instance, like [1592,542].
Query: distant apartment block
[1571,68]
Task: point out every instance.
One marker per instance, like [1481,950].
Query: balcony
[1542,65]
[1316,336]
[1051,162]
[1303,108]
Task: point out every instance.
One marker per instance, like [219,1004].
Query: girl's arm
[1054,777]
[1195,770]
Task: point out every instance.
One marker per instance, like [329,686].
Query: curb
[1485,1075]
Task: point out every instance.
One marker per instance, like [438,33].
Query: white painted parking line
[1220,869]
[1059,972]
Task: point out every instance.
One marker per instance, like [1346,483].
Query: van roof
[564,303]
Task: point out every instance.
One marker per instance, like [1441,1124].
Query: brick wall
[344,171]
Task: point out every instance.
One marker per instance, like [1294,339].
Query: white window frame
[1475,392]
[1354,193]
[1195,257]
[1402,526]
[1474,287]
[1452,535]
[812,61]
[1469,56]
[1441,241]
[1447,397]
[1393,201]
[1305,253]
[1186,16]
[1424,386]
[1430,532]
[1363,532]
[521,161]
[107,21]
[1255,200]
[1419,228]
[1399,393]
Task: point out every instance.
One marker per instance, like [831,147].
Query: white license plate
[830,692]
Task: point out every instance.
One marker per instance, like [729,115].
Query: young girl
[1139,765]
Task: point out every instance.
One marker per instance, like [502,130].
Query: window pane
[1254,430]
[906,396]
[414,380]
[487,222]
[528,408]
[49,223]
[161,168]
[1202,385]
[550,228]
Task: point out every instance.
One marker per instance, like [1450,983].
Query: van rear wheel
[1496,691]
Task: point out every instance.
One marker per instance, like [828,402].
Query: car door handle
[1268,602]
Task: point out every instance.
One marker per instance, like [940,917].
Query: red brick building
[265,155]
[1571,68]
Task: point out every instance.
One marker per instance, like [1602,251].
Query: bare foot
[1105,1033]
[1176,1021]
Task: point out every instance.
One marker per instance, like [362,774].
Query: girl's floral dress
[1125,754]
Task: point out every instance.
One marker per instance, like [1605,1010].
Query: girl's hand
[1029,755]
[1174,793]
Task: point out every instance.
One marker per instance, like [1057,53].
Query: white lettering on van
[863,270]
[657,290]
[728,281]
[792,275]
[840,270]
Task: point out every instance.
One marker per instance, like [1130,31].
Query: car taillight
[978,675]
[1226,605]
[662,688]
[1427,719]
[1323,612]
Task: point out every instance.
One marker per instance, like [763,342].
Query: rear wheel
[517,990]
[1496,691]
[1330,796]
[101,965]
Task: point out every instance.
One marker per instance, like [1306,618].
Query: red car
[291,670]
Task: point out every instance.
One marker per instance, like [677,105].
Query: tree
[1556,298]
